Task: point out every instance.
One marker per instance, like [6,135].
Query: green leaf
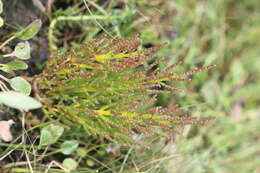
[90,163]
[5,69]
[14,65]
[30,31]
[1,21]
[19,100]
[1,6]
[68,147]
[211,91]
[50,134]
[22,50]
[81,152]
[19,84]
[237,72]
[70,164]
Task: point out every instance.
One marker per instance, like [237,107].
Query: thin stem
[125,159]
[97,7]
[3,86]
[9,152]
[8,55]
[4,78]
[72,18]
[24,142]
[7,41]
[90,12]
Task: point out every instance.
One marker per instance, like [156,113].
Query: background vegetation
[200,32]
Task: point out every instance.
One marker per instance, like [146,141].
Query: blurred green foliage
[223,32]
[226,33]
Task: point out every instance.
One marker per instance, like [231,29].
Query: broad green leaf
[19,100]
[50,134]
[68,147]
[30,31]
[46,138]
[70,164]
[22,50]
[19,84]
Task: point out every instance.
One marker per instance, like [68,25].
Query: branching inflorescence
[108,88]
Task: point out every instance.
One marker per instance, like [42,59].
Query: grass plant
[107,88]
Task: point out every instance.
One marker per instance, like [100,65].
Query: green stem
[15,145]
[97,7]
[20,170]
[23,170]
[7,41]
[51,37]
[8,55]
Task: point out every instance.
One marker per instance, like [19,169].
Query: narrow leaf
[1,6]
[30,31]
[14,65]
[1,21]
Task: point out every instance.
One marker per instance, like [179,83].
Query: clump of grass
[108,88]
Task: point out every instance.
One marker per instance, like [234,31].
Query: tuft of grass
[107,88]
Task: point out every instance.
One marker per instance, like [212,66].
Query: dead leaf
[5,133]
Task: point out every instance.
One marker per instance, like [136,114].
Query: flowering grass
[108,88]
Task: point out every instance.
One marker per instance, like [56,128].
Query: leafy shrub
[108,88]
